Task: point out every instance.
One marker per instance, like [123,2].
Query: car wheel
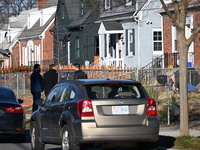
[21,138]
[36,144]
[67,140]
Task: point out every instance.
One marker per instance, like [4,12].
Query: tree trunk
[183,77]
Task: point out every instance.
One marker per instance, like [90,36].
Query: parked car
[95,111]
[12,116]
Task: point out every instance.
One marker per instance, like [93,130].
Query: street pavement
[171,130]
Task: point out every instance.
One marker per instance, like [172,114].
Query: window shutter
[127,42]
[133,44]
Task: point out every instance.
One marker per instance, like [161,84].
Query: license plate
[120,110]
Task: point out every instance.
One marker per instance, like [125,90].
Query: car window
[53,96]
[109,91]
[7,95]
[72,94]
[64,94]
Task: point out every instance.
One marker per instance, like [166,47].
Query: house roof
[192,4]
[21,20]
[3,27]
[121,12]
[4,44]
[72,8]
[5,52]
[79,20]
[36,29]
[112,25]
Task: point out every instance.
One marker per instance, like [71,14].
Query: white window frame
[157,30]
[37,53]
[129,3]
[107,4]
[82,9]
[25,56]
[174,40]
[130,40]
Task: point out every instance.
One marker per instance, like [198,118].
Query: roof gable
[37,28]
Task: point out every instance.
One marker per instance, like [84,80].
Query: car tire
[67,140]
[36,144]
[21,138]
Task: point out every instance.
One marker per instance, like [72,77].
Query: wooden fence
[93,71]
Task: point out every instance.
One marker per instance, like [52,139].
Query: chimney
[41,4]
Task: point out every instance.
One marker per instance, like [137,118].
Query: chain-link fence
[18,82]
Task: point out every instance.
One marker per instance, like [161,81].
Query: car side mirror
[20,101]
[40,102]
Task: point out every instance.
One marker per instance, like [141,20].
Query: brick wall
[167,37]
[197,41]
[48,45]
[167,34]
[41,3]
[15,55]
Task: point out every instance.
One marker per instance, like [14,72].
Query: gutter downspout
[139,51]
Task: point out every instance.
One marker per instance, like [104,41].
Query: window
[72,95]
[64,94]
[157,41]
[130,42]
[24,56]
[129,3]
[82,10]
[63,11]
[53,96]
[7,95]
[77,42]
[109,91]
[174,40]
[107,4]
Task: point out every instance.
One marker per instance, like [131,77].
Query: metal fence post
[17,84]
[168,100]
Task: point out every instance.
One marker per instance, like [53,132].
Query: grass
[181,142]
[187,143]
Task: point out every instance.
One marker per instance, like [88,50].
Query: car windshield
[109,91]
[7,95]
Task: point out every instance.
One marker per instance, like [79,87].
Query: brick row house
[28,38]
[170,40]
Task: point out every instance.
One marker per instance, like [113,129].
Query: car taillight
[17,109]
[85,108]
[151,107]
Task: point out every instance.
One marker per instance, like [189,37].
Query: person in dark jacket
[36,85]
[50,78]
[79,74]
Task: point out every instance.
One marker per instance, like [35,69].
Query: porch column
[107,49]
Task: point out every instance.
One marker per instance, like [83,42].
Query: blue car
[12,116]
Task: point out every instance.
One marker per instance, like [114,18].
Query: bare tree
[8,7]
[177,12]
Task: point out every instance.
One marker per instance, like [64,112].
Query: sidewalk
[174,131]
